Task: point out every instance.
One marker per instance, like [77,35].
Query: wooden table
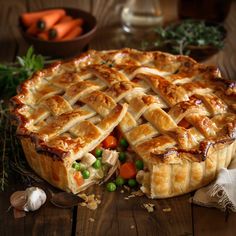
[115,215]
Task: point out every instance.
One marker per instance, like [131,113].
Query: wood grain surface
[115,215]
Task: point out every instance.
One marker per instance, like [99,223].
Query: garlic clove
[18,199]
[36,197]
[18,213]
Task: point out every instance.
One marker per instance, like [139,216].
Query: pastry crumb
[138,193]
[127,188]
[166,209]
[132,227]
[91,219]
[149,206]
[90,201]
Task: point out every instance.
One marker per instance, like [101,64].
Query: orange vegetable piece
[49,20]
[110,142]
[43,35]
[65,19]
[128,170]
[78,178]
[73,34]
[61,29]
[184,123]
[32,30]
[32,17]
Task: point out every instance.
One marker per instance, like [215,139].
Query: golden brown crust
[181,114]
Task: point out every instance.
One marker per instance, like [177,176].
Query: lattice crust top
[70,107]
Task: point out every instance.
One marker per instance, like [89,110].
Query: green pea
[132,182]
[97,164]
[122,156]
[139,164]
[76,166]
[98,152]
[85,174]
[119,181]
[111,187]
[124,143]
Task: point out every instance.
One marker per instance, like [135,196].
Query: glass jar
[140,15]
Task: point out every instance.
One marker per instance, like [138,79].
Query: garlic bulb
[36,197]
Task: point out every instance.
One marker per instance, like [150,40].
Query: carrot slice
[73,33]
[110,142]
[43,35]
[32,17]
[49,20]
[78,178]
[128,170]
[60,30]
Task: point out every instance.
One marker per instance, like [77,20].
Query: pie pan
[177,115]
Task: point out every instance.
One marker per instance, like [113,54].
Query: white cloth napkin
[220,194]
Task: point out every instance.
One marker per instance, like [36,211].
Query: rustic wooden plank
[226,58]
[210,221]
[40,4]
[48,220]
[9,13]
[117,216]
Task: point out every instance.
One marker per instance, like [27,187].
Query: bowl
[198,52]
[67,48]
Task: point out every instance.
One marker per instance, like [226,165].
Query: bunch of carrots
[52,25]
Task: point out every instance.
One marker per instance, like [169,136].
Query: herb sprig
[12,75]
[178,38]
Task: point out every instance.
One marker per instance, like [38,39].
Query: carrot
[184,123]
[32,30]
[47,21]
[128,170]
[110,142]
[73,33]
[43,35]
[60,30]
[65,19]
[32,17]
[78,178]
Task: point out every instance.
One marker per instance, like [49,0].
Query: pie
[177,115]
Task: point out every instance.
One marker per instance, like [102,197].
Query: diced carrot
[43,35]
[32,17]
[128,170]
[110,142]
[73,34]
[184,123]
[60,30]
[65,19]
[49,20]
[78,178]
[32,30]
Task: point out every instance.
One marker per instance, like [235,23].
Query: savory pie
[177,115]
